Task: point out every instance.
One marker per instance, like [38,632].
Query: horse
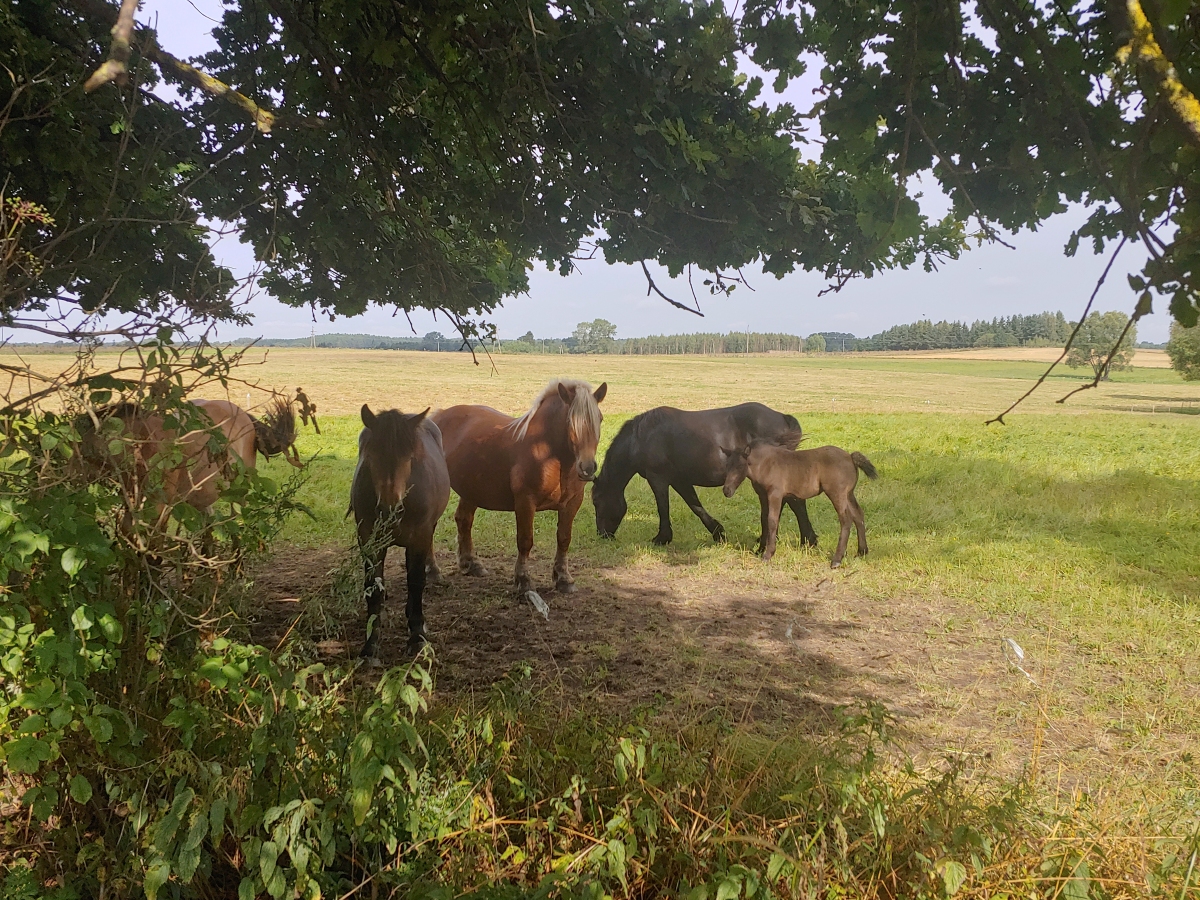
[399,491]
[539,461]
[194,475]
[680,449]
[778,472]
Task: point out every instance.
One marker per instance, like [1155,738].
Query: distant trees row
[1041,330]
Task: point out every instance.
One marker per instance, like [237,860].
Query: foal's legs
[807,534]
[841,503]
[688,493]
[563,582]
[414,564]
[775,506]
[764,505]
[860,524]
[526,506]
[464,518]
[662,499]
[375,593]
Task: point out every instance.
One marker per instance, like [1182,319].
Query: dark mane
[788,440]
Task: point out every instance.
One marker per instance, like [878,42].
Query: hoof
[718,534]
[836,564]
[370,660]
[434,576]
[415,646]
[521,585]
[474,568]
[565,587]
[661,540]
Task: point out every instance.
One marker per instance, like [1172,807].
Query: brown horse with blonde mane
[539,461]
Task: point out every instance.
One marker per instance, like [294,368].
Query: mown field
[1074,530]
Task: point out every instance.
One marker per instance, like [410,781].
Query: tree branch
[1146,50]
[116,67]
[652,287]
[1070,340]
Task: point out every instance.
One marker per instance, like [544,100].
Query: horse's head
[387,445]
[583,424]
[737,468]
[608,498]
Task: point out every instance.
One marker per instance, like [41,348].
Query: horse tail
[789,439]
[865,464]
[275,432]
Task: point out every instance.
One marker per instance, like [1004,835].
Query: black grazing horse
[675,448]
[400,490]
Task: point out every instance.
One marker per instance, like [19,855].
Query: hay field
[1074,530]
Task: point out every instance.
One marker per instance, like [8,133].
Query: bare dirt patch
[761,645]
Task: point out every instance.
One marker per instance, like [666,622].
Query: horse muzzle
[586,470]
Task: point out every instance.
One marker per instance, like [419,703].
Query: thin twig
[1070,340]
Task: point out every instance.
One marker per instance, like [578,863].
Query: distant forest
[1041,330]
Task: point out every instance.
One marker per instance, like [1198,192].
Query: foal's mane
[583,414]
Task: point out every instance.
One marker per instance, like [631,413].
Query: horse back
[235,423]
[481,454]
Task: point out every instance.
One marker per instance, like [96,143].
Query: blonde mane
[583,414]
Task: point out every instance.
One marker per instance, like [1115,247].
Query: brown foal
[778,473]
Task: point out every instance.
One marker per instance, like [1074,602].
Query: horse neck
[618,466]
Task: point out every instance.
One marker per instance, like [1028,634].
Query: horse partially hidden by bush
[181,449]
[539,461]
[400,490]
[681,449]
[779,472]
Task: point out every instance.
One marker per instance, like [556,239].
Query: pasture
[1074,531]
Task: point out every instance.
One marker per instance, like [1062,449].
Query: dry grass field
[1074,530]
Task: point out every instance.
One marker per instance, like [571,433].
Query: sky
[985,282]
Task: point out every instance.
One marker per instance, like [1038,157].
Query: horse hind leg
[842,506]
[468,562]
[860,524]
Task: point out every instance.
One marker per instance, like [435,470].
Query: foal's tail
[865,464]
[275,432]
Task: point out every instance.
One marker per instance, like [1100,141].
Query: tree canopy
[1105,342]
[425,155]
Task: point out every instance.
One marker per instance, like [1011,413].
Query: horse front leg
[807,533]
[414,564]
[563,582]
[688,493]
[775,507]
[526,507]
[662,499]
[764,506]
[375,593]
[468,562]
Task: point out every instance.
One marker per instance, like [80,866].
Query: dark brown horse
[778,472]
[680,449]
[537,462]
[400,490]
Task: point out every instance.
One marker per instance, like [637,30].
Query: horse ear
[418,418]
[368,417]
[566,393]
[601,392]
[746,452]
